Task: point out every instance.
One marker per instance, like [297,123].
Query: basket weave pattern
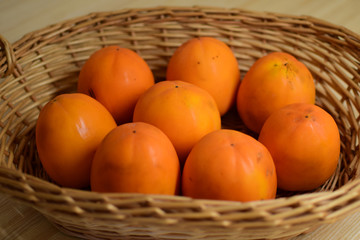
[46,62]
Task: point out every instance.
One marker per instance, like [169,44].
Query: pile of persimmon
[122,131]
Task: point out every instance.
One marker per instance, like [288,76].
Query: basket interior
[49,60]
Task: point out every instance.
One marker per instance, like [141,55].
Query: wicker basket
[45,63]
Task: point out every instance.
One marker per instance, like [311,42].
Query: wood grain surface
[18,17]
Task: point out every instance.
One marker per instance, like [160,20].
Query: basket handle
[7,58]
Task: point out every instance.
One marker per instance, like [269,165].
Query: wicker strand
[7,64]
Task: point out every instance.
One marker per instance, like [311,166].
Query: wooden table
[18,17]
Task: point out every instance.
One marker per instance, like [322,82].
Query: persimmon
[272,82]
[210,64]
[138,158]
[229,165]
[116,77]
[304,142]
[68,130]
[183,111]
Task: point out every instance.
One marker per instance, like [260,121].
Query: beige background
[18,17]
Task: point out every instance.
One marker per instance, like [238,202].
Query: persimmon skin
[229,165]
[136,158]
[68,131]
[183,111]
[304,141]
[273,81]
[116,77]
[210,64]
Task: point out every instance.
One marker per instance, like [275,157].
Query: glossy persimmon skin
[116,77]
[68,130]
[210,64]
[304,141]
[183,111]
[136,158]
[229,165]
[272,82]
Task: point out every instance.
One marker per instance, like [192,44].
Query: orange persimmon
[137,158]
[304,142]
[68,130]
[210,64]
[116,77]
[183,111]
[229,165]
[273,81]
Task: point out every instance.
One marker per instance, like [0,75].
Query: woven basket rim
[9,48]
[323,203]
